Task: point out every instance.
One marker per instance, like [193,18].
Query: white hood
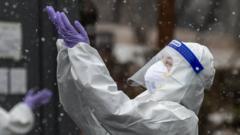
[183,85]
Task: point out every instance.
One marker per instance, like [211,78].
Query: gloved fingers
[80,28]
[45,101]
[66,22]
[30,93]
[51,13]
[61,26]
[43,96]
[47,94]
[82,31]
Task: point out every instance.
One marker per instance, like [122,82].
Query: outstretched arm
[88,78]
[94,71]
[20,119]
[112,108]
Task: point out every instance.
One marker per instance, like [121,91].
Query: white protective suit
[91,97]
[18,121]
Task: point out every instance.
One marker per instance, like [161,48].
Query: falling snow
[132,27]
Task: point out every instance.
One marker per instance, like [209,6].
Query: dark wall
[39,58]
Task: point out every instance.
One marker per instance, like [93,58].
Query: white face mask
[181,83]
[155,76]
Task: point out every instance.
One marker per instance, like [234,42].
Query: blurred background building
[126,33]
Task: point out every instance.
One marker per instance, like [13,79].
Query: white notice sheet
[18,81]
[3,80]
[10,40]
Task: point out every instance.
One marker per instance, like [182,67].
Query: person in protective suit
[175,80]
[20,119]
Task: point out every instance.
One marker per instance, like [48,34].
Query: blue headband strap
[187,54]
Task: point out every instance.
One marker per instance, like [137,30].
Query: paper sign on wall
[18,81]
[10,40]
[3,80]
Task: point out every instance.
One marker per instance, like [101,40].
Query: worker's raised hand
[81,30]
[34,100]
[72,35]
[51,14]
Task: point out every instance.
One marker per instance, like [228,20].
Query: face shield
[191,71]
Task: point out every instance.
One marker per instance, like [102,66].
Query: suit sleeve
[115,111]
[71,97]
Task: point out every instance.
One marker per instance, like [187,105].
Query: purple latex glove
[52,14]
[34,100]
[70,34]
